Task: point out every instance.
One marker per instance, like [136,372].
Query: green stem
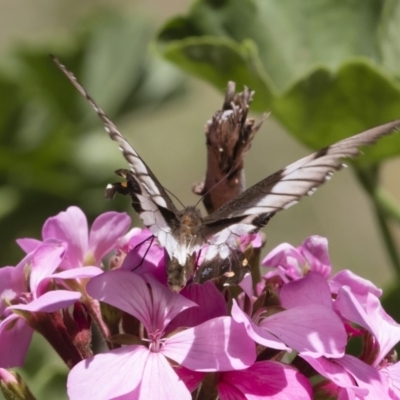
[389,204]
[383,210]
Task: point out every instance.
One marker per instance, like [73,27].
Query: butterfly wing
[253,208]
[141,171]
[150,199]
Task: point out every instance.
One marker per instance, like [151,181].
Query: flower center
[155,341]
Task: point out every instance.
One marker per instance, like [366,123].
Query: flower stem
[94,311]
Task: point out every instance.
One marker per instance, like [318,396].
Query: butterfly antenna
[214,186]
[151,238]
[175,197]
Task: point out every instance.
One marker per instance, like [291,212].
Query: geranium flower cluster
[285,337]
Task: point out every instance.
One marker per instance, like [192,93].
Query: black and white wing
[253,208]
[151,201]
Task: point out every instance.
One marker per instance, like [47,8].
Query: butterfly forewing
[141,171]
[288,185]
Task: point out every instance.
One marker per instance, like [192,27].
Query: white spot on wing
[288,205]
[311,191]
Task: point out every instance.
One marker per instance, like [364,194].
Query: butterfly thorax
[188,233]
[190,227]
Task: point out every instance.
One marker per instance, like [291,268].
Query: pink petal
[246,285]
[312,289]
[312,330]
[211,305]
[12,284]
[227,391]
[50,301]
[286,257]
[315,251]
[366,376]
[132,373]
[272,380]
[15,338]
[28,244]
[393,374]
[45,260]
[78,273]
[333,371]
[259,335]
[371,317]
[253,239]
[192,379]
[147,257]
[219,344]
[130,293]
[360,287]
[159,381]
[123,242]
[71,227]
[106,230]
[109,375]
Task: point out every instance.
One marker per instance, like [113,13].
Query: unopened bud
[13,387]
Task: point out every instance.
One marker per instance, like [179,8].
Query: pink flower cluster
[286,337]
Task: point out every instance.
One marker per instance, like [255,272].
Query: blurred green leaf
[389,33]
[218,60]
[43,118]
[326,107]
[325,68]
[115,59]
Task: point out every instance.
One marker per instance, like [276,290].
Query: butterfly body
[184,232]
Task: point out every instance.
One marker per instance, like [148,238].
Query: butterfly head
[191,221]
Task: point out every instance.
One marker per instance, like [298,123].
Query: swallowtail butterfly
[184,232]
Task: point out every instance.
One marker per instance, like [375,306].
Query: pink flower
[294,262]
[370,315]
[370,376]
[350,378]
[84,247]
[23,290]
[143,371]
[308,325]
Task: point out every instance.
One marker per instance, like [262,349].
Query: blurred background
[54,152]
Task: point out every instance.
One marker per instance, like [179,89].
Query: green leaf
[43,119]
[10,103]
[115,59]
[291,37]
[326,68]
[326,107]
[219,60]
[389,34]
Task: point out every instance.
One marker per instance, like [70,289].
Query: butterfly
[184,233]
